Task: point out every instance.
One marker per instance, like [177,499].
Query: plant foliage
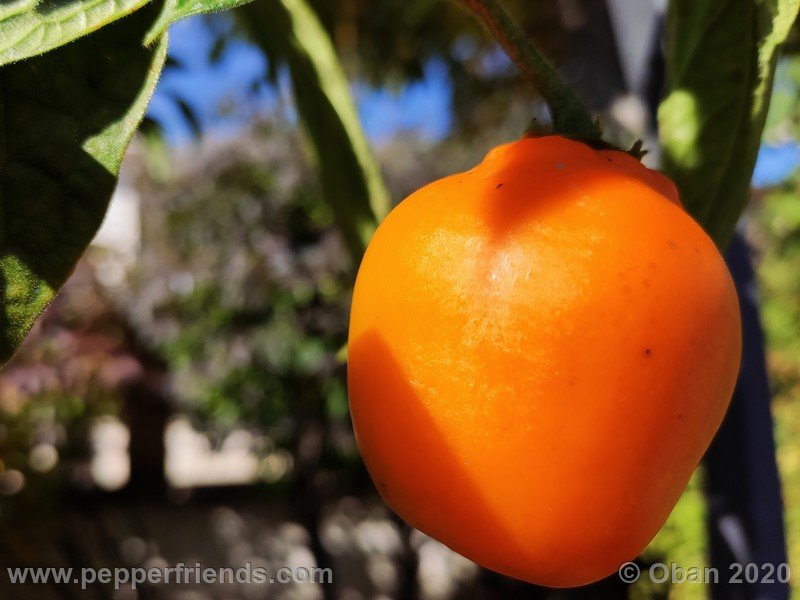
[66,118]
[721,59]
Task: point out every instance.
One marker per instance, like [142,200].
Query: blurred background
[184,398]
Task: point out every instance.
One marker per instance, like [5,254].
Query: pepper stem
[570,116]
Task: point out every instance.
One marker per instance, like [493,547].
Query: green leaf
[31,27]
[290,33]
[175,10]
[721,57]
[66,119]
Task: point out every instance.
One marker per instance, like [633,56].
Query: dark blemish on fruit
[560,166]
[498,186]
[680,417]
[608,159]
[672,244]
[648,353]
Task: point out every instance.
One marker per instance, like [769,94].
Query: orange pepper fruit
[540,351]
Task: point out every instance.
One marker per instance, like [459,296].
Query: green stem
[570,116]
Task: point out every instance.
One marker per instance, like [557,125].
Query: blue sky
[205,87]
[776,163]
[422,106]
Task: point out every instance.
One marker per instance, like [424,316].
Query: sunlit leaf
[721,58]
[65,121]
[31,27]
